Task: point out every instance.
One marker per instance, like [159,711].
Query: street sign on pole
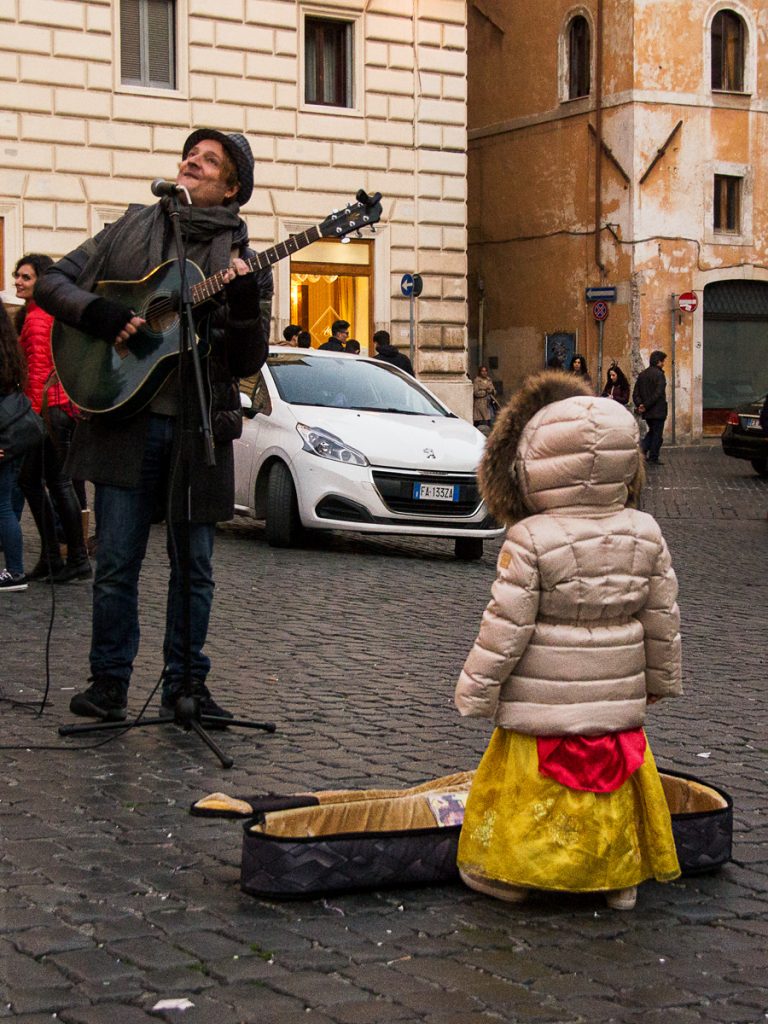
[604,293]
[688,302]
[411,286]
[600,311]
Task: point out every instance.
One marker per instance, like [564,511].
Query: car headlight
[328,446]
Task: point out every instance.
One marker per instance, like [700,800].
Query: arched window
[728,52]
[578,58]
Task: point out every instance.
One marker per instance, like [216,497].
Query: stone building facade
[623,145]
[98,97]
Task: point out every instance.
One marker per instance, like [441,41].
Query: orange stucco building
[622,144]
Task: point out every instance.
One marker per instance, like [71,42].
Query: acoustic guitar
[100,379]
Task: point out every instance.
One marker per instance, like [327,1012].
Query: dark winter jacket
[651,391]
[389,354]
[110,450]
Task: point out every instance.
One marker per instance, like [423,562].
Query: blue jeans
[10,531]
[123,519]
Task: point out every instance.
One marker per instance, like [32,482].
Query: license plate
[436,492]
[750,422]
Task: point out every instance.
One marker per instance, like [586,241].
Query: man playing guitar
[133,460]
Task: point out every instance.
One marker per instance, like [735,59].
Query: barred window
[148,43]
[328,62]
[728,51]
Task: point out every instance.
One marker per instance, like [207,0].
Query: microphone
[159,187]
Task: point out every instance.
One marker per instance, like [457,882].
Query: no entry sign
[600,310]
[687,302]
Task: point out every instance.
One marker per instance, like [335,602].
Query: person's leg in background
[31,481]
[11,537]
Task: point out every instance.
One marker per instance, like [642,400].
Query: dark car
[744,438]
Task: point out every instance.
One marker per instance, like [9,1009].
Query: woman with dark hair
[579,367]
[12,378]
[43,481]
[616,385]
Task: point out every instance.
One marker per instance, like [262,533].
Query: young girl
[582,631]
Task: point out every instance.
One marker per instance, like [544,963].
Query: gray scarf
[134,245]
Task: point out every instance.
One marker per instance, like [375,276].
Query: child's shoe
[500,890]
[622,899]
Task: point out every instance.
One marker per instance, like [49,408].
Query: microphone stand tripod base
[186,715]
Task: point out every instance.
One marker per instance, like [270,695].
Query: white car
[340,442]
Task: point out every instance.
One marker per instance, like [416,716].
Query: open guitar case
[314,844]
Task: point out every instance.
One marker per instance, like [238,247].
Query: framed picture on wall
[559,348]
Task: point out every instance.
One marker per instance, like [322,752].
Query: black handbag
[20,426]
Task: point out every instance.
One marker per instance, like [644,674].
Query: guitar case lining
[347,840]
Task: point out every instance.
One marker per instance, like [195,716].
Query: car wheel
[468,549]
[760,466]
[283,525]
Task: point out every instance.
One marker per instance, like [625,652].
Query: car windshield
[349,383]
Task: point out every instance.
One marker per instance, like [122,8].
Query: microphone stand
[187,712]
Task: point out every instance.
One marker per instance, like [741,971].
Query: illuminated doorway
[334,281]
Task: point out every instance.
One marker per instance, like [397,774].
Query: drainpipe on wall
[599,135]
[481,323]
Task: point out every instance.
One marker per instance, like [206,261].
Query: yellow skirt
[522,828]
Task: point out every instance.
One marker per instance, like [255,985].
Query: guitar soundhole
[161,312]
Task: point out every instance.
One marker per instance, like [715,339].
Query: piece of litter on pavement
[704,753]
[173,1004]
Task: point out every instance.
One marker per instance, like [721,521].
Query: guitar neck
[215,283]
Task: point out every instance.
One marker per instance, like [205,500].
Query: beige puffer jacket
[583,621]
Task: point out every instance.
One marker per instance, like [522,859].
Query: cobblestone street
[113,897]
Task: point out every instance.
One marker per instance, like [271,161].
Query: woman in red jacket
[43,480]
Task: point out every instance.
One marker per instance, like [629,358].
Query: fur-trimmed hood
[556,446]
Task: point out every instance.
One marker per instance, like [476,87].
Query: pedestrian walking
[650,398]
[581,633]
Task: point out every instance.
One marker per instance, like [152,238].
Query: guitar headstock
[363,213]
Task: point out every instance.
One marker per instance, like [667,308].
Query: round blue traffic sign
[600,310]
[406,285]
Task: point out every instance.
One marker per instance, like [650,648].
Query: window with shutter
[728,51]
[727,204]
[148,43]
[328,62]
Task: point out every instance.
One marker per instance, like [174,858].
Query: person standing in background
[338,338]
[650,398]
[484,394]
[44,482]
[13,375]
[616,385]
[387,353]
